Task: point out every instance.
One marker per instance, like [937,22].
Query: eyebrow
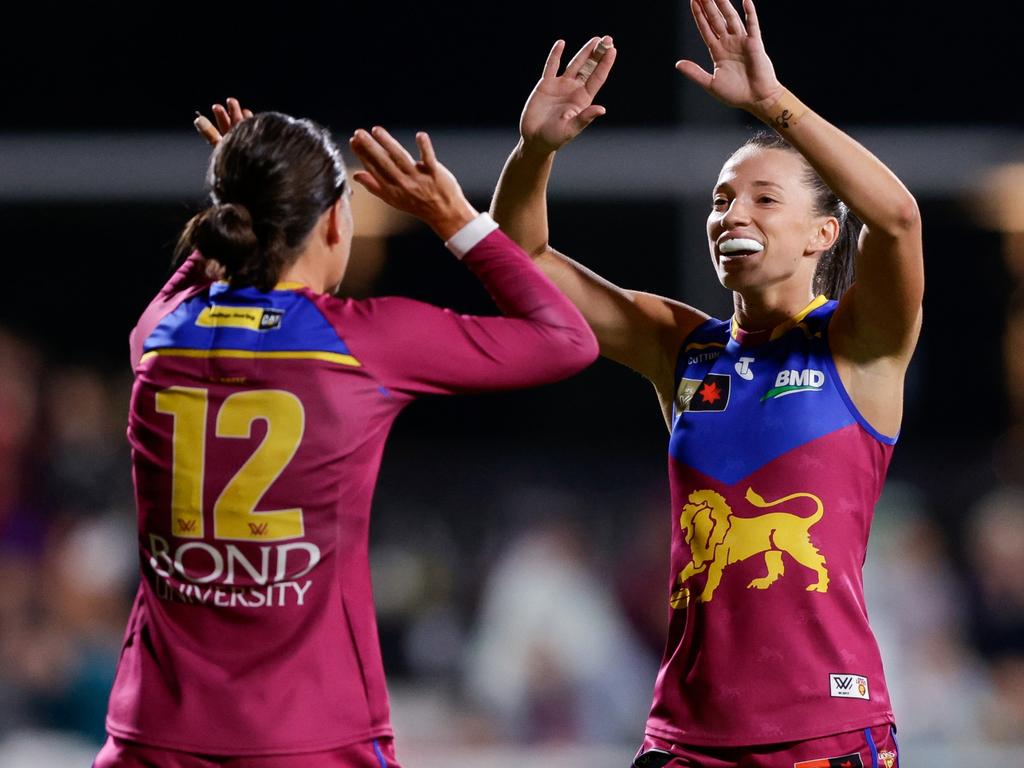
[758,183]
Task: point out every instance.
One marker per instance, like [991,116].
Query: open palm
[743,74]
[561,106]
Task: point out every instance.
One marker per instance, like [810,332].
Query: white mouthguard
[739,244]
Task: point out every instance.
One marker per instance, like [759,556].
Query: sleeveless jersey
[774,476]
[257,422]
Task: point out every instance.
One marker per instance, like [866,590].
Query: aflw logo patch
[848,687]
[790,382]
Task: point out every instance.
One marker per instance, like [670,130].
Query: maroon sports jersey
[257,422]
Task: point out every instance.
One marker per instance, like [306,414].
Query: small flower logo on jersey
[887,757]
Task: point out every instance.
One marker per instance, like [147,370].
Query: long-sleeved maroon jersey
[257,423]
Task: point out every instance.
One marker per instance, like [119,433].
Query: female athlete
[258,416]
[782,418]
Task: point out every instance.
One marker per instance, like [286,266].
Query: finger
[427,155]
[398,154]
[553,60]
[733,22]
[221,116]
[247,113]
[695,72]
[707,34]
[374,157]
[714,18]
[235,111]
[574,65]
[206,129]
[604,66]
[369,182]
[753,25]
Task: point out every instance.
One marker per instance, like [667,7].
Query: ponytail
[837,267]
[224,233]
[271,178]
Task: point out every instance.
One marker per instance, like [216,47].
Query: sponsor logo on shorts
[845,761]
[887,757]
[848,686]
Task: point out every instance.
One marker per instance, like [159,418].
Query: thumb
[589,115]
[368,181]
[695,73]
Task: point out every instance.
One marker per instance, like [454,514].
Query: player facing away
[259,412]
[782,418]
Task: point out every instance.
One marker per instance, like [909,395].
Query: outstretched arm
[637,329]
[876,325]
[541,339]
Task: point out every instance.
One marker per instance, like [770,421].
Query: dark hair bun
[224,232]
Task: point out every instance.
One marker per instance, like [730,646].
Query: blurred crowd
[541,623]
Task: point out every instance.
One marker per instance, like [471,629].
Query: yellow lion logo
[718,538]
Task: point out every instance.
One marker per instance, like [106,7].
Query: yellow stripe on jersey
[794,321]
[329,357]
[782,328]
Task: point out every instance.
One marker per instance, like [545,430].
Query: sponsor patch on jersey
[743,368]
[789,382]
[843,761]
[887,757]
[711,394]
[248,318]
[687,389]
[848,686]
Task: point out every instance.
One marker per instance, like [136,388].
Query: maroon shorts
[867,748]
[118,753]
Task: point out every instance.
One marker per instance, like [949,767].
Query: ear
[336,221]
[824,236]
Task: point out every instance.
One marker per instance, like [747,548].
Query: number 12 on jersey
[234,513]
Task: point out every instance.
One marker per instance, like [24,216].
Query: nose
[736,215]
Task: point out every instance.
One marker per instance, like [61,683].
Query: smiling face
[764,230]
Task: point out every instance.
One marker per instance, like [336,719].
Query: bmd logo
[789,382]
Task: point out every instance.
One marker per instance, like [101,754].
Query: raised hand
[561,106]
[423,187]
[227,116]
[743,74]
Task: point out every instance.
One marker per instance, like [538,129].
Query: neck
[764,310]
[308,269]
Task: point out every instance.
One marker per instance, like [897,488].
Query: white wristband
[463,241]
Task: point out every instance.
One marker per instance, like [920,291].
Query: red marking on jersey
[258,529]
[710,393]
[188,526]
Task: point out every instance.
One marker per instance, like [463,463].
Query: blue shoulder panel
[738,407]
[246,319]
